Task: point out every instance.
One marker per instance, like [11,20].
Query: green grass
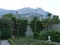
[28,41]
[12,42]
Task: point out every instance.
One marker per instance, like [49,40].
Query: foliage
[50,21]
[6,33]
[23,27]
[9,22]
[6,28]
[11,42]
[27,41]
[20,27]
[12,25]
[36,35]
[55,35]
[36,25]
[55,19]
[49,15]
[0,33]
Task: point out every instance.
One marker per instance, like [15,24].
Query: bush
[16,33]
[36,35]
[0,33]
[6,33]
[55,35]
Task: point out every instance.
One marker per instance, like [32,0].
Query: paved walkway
[5,42]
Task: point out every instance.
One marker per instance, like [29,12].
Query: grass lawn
[28,41]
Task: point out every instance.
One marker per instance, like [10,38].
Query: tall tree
[49,15]
[56,19]
[49,20]
[36,25]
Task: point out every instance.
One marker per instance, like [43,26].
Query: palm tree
[36,25]
[49,20]
[49,15]
[55,19]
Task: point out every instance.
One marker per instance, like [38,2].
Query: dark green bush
[0,33]
[6,33]
[55,35]
[16,33]
[36,35]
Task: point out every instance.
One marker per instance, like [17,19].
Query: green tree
[56,19]
[36,25]
[4,27]
[50,20]
[45,23]
[49,15]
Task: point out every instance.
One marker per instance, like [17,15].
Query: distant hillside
[2,12]
[24,11]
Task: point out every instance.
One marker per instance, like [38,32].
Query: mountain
[25,11]
[2,12]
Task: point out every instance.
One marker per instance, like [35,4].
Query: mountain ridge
[31,11]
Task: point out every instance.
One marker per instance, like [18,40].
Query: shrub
[0,33]
[36,35]
[55,35]
[6,34]
[16,33]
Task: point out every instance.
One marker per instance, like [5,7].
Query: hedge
[55,35]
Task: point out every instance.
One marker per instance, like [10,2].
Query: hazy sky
[52,6]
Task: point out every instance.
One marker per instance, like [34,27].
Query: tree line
[11,25]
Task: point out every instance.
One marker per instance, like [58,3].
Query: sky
[52,6]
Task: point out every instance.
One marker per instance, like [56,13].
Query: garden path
[5,42]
